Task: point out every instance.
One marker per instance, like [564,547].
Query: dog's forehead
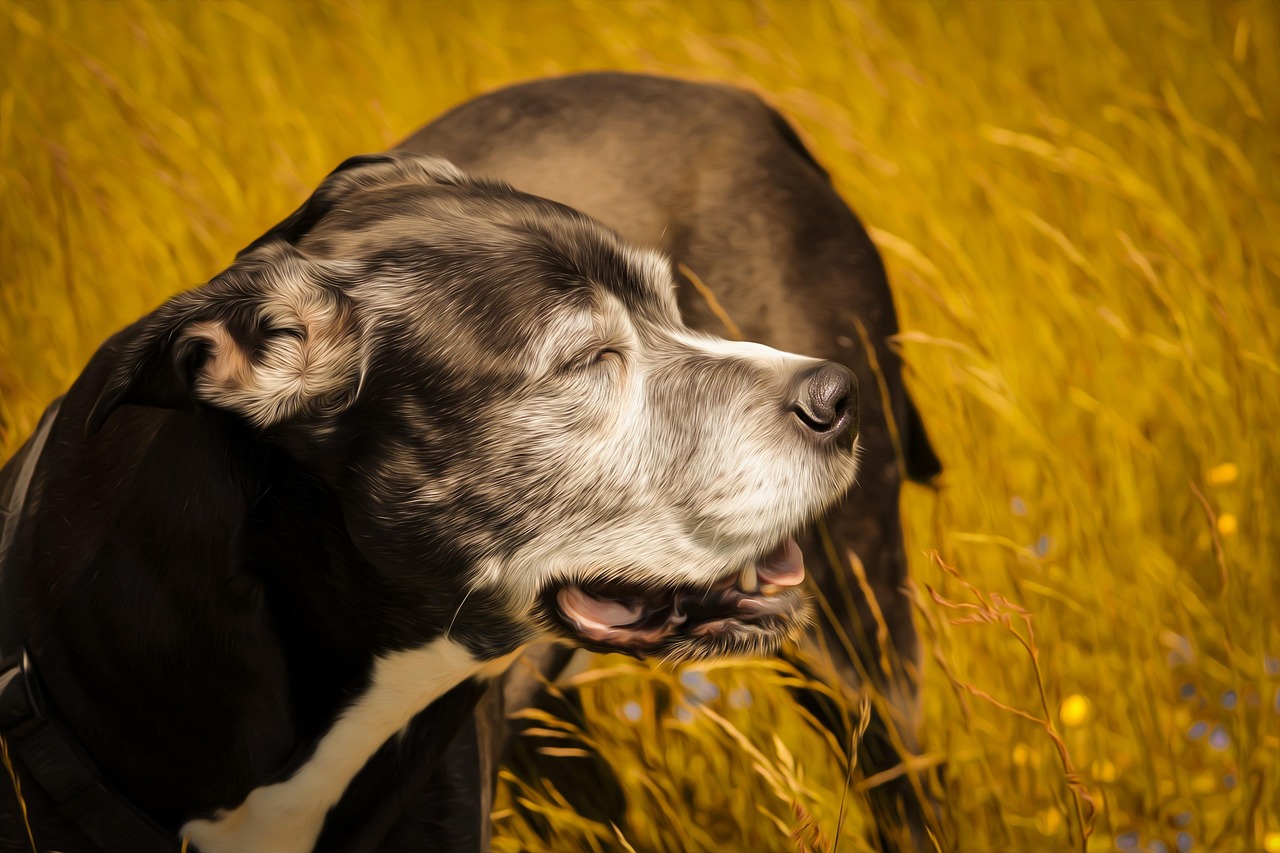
[486,268]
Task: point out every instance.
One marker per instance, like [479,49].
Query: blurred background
[1079,207]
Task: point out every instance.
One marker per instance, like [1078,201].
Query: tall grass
[1078,204]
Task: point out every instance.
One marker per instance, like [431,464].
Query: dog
[763,248]
[261,559]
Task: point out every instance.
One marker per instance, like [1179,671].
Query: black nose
[826,401]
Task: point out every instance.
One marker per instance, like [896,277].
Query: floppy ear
[266,340]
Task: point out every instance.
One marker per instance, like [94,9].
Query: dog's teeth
[770,589]
[747,581]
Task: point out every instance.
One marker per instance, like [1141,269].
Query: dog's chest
[286,817]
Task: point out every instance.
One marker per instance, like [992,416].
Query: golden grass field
[1079,205]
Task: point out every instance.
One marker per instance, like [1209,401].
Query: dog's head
[504,401]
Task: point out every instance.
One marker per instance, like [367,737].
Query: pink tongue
[783,567]
[605,620]
[599,613]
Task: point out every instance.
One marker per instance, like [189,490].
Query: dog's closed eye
[607,354]
[285,331]
[592,359]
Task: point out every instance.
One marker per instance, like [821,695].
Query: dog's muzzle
[754,605]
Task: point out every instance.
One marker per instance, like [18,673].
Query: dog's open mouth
[752,610]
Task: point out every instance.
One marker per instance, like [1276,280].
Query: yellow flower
[1074,710]
[1224,473]
[1049,821]
[1271,842]
[1227,524]
[1204,782]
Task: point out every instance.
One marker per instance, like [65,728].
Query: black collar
[45,753]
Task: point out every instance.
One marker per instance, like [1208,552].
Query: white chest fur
[286,817]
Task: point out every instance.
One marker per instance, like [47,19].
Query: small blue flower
[1271,664]
[684,715]
[1042,545]
[1229,700]
[1182,819]
[1219,739]
[740,697]
[1229,781]
[700,688]
[1187,691]
[1018,505]
[1158,846]
[632,711]
[1127,840]
[1197,730]
[1184,842]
